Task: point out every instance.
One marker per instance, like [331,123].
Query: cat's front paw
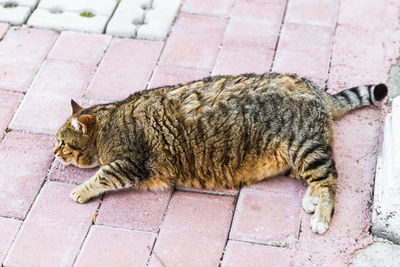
[80,194]
[319,223]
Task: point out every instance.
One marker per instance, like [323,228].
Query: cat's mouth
[64,161]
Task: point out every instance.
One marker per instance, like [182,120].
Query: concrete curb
[386,207]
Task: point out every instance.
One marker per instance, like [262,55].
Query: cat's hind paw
[80,194]
[317,225]
[310,203]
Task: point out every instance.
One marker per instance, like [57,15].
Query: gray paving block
[386,207]
[43,18]
[14,15]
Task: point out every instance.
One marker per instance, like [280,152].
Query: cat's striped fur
[219,132]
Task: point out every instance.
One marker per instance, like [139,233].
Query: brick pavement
[264,225]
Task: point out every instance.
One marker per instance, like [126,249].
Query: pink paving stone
[267,217]
[54,229]
[313,12]
[253,28]
[236,60]
[357,134]
[100,247]
[3,29]
[27,44]
[138,210]
[368,14]
[15,75]
[47,104]
[247,254]
[351,67]
[251,33]
[9,103]
[194,231]
[24,159]
[263,11]
[70,174]
[81,47]
[305,50]
[8,230]
[125,69]
[187,46]
[208,7]
[168,75]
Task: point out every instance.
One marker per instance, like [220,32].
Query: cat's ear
[75,107]
[85,123]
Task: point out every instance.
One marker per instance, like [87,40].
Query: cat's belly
[253,171]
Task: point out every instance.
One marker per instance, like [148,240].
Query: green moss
[87,14]
[10,5]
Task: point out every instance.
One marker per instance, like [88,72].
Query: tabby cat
[218,132]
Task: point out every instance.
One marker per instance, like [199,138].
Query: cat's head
[76,139]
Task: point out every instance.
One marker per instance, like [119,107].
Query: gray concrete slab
[386,207]
[381,253]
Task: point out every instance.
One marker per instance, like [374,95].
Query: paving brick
[70,174]
[305,50]
[21,182]
[26,44]
[168,75]
[21,53]
[100,248]
[266,217]
[138,210]
[313,12]
[251,33]
[208,7]
[357,134]
[186,46]
[3,29]
[236,60]
[127,15]
[54,229]
[8,230]
[255,24]
[158,20]
[262,11]
[80,47]
[191,216]
[47,104]
[143,19]
[247,254]
[357,13]
[67,20]
[97,7]
[16,76]
[14,15]
[348,66]
[9,104]
[125,68]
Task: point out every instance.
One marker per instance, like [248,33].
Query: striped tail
[354,98]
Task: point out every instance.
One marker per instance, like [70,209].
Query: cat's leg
[114,176]
[315,164]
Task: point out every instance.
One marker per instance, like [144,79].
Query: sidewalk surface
[337,44]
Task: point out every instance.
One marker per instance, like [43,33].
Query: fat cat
[218,132]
